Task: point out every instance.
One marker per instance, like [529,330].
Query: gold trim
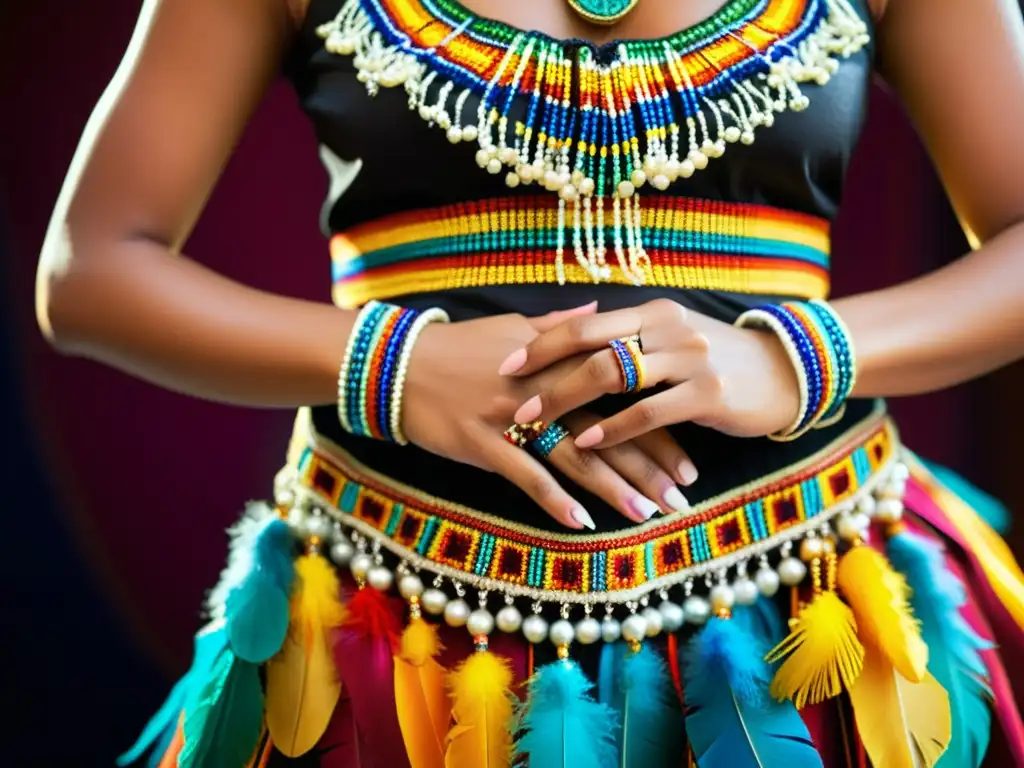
[601,21]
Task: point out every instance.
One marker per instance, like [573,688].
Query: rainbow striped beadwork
[821,350]
[551,436]
[628,353]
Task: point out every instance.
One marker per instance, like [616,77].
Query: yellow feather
[482,711]
[302,684]
[878,596]
[902,724]
[822,653]
[424,710]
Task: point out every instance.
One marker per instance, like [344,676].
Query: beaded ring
[629,354]
[551,436]
[521,435]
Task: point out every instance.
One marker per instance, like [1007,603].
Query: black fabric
[798,164]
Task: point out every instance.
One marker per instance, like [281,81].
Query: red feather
[342,746]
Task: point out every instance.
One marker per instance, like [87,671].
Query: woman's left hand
[738,381]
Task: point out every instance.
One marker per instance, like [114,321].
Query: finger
[670,456]
[636,466]
[574,335]
[519,467]
[684,402]
[588,470]
[546,322]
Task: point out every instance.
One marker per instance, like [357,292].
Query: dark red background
[119,492]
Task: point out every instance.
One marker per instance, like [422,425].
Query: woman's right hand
[457,406]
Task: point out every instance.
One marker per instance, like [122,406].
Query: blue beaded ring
[552,435]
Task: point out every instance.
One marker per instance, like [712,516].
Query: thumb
[544,323]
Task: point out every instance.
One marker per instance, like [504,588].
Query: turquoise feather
[223,720]
[256,608]
[953,646]
[730,719]
[160,728]
[989,508]
[561,724]
[762,620]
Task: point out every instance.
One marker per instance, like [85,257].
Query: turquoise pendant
[602,11]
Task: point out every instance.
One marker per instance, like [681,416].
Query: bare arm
[112,284]
[958,65]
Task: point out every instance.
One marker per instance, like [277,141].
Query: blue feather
[160,728]
[256,608]
[989,508]
[762,620]
[652,723]
[953,646]
[561,724]
[607,673]
[730,719]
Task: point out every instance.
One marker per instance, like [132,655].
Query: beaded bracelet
[374,368]
[820,347]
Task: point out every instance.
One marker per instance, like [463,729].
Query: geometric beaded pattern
[479,545]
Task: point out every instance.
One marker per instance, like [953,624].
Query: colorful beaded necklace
[595,124]
[603,11]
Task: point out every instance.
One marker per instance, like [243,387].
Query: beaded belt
[687,243]
[473,549]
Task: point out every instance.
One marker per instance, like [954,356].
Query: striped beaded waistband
[485,552]
[677,242]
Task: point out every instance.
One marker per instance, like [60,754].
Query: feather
[169,759]
[256,609]
[481,713]
[879,598]
[953,646]
[363,654]
[342,745]
[651,732]
[242,534]
[762,619]
[901,724]
[820,656]
[424,709]
[561,724]
[302,684]
[989,508]
[730,720]
[159,731]
[222,725]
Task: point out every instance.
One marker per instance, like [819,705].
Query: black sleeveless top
[384,160]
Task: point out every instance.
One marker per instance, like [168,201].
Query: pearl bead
[562,633]
[791,571]
[626,189]
[535,628]
[569,192]
[494,165]
[811,548]
[480,622]
[696,610]
[866,505]
[660,182]
[512,179]
[410,585]
[745,591]
[698,160]
[469,133]
[509,619]
[634,627]
[317,525]
[687,168]
[434,601]
[654,621]
[342,551]
[611,630]
[587,187]
[861,521]
[525,172]
[722,597]
[638,178]
[454,134]
[380,578]
[284,497]
[671,615]
[456,613]
[588,630]
[893,489]
[360,565]
[889,511]
[507,156]
[847,528]
[767,582]
[482,158]
[295,518]
[900,471]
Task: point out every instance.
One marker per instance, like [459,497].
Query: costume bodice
[486,169]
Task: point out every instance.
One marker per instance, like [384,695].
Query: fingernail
[590,437]
[581,516]
[528,411]
[674,499]
[688,472]
[644,507]
[513,363]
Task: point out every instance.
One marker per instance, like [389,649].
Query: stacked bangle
[373,370]
[821,350]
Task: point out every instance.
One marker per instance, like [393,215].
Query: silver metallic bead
[588,630]
[866,505]
[456,613]
[509,619]
[360,565]
[889,510]
[791,571]
[767,581]
[847,528]
[813,547]
[672,617]
[745,591]
[410,585]
[434,601]
[900,471]
[535,628]
[722,597]
[861,522]
[611,630]
[654,621]
[284,497]
[696,610]
[562,632]
[342,551]
[317,525]
[480,622]
[380,578]
[634,627]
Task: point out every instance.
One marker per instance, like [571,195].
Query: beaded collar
[594,124]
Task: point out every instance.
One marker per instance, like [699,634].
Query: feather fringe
[651,722]
[482,713]
[240,551]
[424,709]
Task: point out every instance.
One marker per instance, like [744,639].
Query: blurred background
[118,493]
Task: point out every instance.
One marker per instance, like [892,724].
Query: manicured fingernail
[644,507]
[674,499]
[688,472]
[590,437]
[581,516]
[513,363]
[528,411]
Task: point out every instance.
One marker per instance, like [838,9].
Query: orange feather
[424,709]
